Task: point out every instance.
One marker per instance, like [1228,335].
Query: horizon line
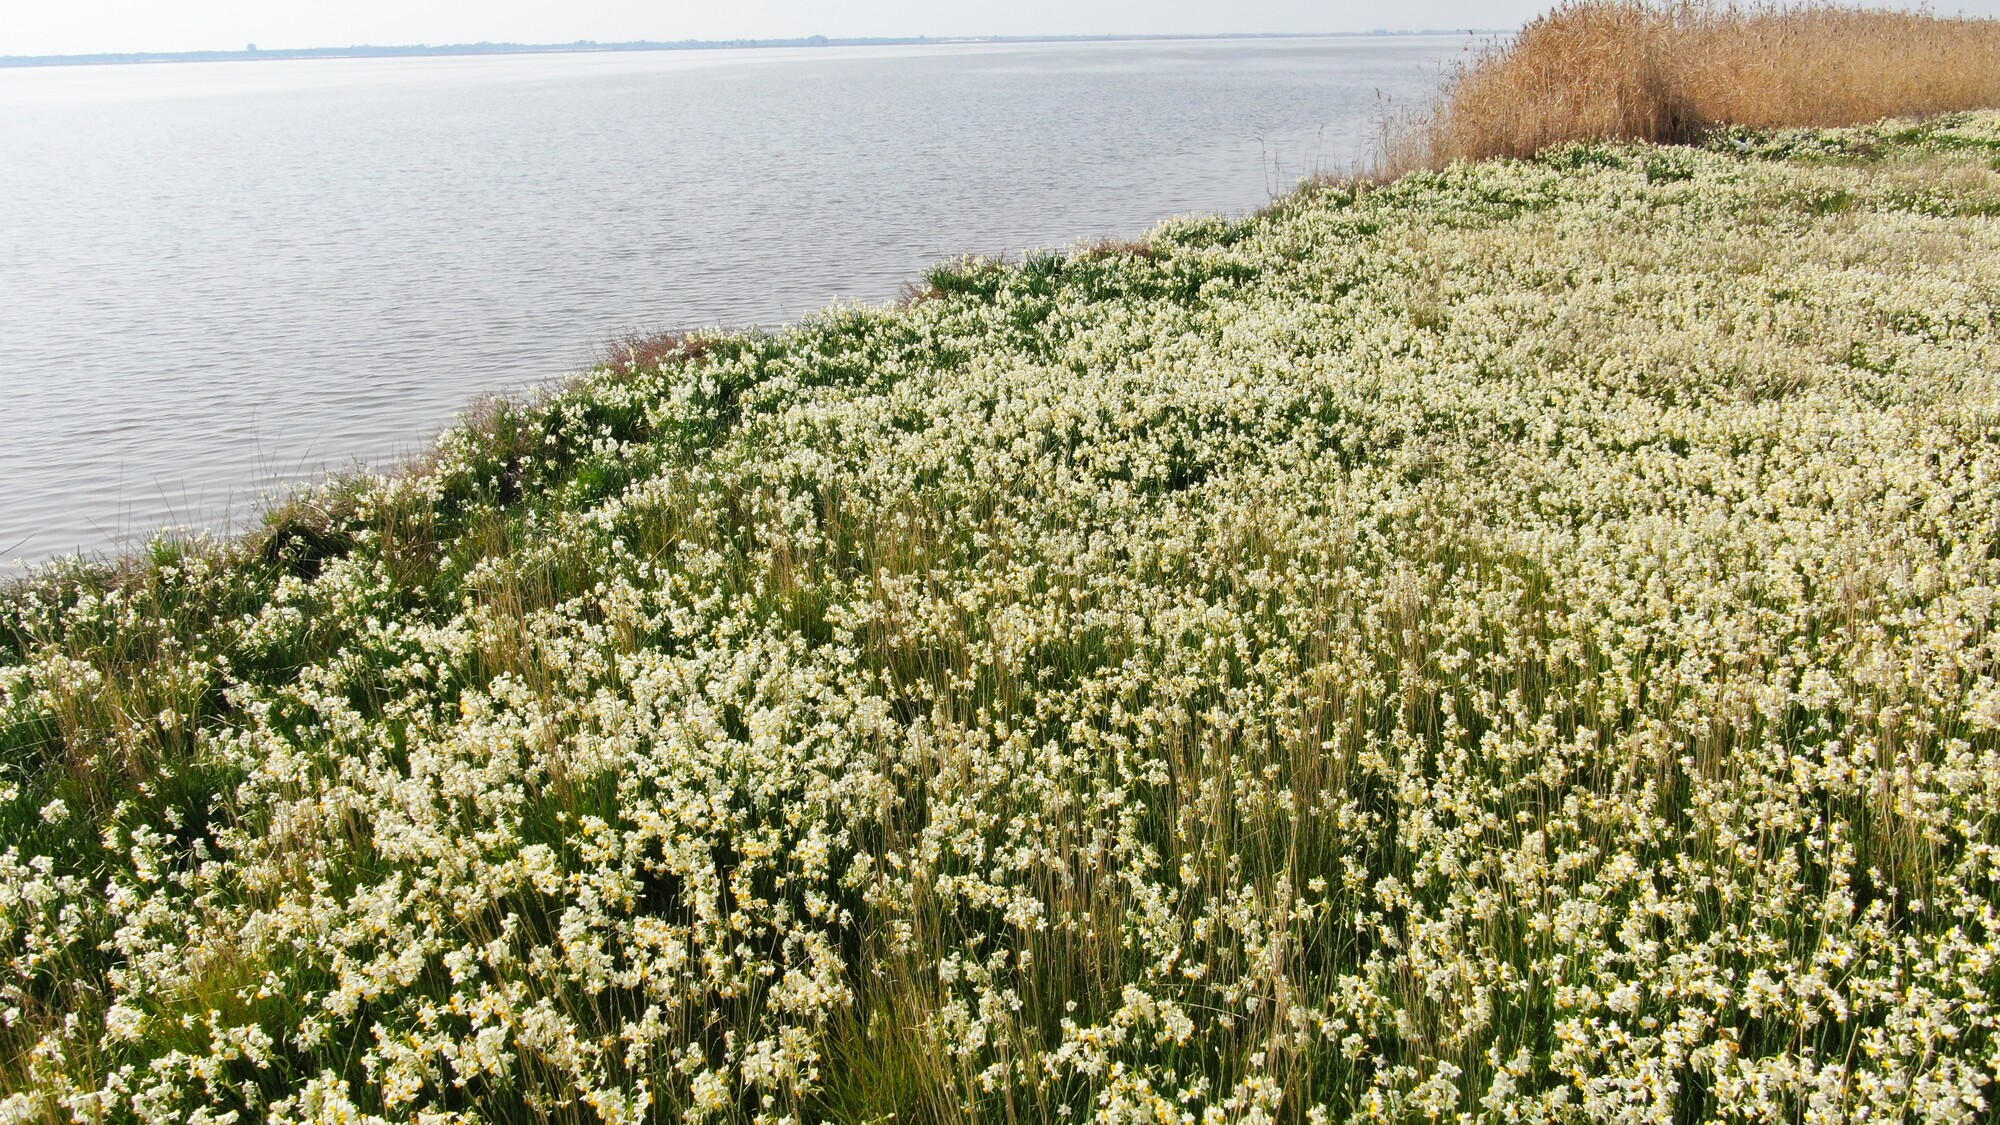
[252,53]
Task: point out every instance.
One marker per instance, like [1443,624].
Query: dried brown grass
[1121,248]
[1668,72]
[644,351]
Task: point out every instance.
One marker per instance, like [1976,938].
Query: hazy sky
[33,27]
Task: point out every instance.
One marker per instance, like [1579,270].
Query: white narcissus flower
[1519,641]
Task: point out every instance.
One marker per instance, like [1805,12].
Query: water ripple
[218,279]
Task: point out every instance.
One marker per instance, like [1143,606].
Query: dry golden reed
[1595,70]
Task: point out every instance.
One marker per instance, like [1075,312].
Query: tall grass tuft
[1593,70]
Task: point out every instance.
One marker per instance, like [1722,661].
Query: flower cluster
[1521,643]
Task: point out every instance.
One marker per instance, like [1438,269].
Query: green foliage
[1513,644]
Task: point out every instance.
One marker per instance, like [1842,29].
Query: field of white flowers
[1516,644]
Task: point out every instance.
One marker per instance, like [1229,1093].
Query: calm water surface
[219,279]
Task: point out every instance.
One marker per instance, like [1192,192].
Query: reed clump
[1595,70]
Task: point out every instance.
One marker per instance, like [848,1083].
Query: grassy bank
[1668,72]
[1518,642]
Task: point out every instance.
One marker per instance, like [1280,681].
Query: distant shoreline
[587,46]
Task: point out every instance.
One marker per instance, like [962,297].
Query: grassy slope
[1519,640]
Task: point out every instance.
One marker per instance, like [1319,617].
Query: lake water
[219,279]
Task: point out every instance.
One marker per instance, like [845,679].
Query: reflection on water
[216,279]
